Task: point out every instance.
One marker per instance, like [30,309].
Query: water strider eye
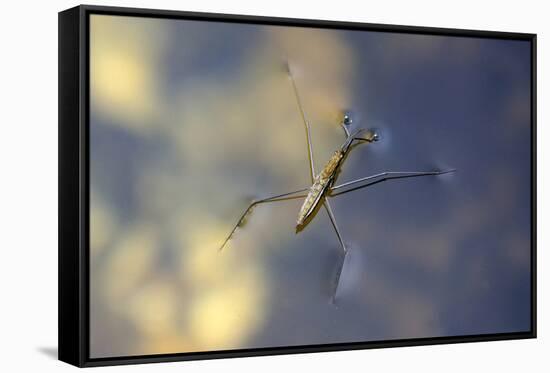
[347,120]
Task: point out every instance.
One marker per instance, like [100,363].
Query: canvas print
[260,186]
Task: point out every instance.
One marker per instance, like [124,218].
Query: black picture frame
[74,185]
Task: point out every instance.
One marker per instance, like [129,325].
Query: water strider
[323,183]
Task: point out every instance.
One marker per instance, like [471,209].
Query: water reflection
[185,135]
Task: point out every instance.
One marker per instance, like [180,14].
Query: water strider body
[325,179]
[323,187]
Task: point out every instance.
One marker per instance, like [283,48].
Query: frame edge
[69,169]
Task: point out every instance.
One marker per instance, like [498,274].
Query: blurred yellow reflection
[153,309]
[161,274]
[103,226]
[124,65]
[225,316]
[228,298]
[131,261]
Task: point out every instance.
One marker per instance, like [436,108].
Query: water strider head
[361,134]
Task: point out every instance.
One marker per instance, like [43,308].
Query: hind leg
[326,204]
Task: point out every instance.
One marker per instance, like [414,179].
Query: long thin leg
[333,221]
[306,123]
[310,150]
[387,175]
[276,198]
[337,230]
